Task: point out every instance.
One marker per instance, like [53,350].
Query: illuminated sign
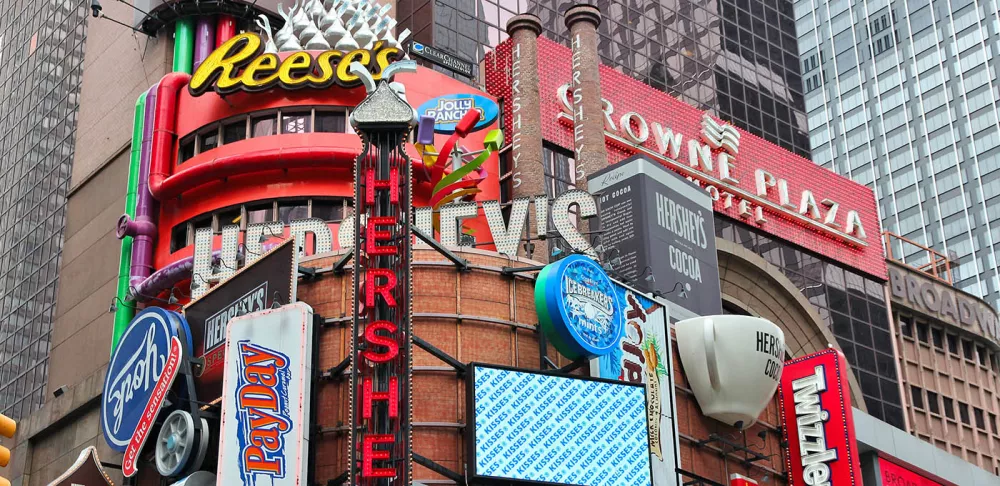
[266,398]
[271,279]
[531,427]
[141,372]
[448,110]
[381,329]
[578,307]
[894,475]
[644,356]
[241,64]
[818,422]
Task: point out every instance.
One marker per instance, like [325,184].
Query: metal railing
[936,264]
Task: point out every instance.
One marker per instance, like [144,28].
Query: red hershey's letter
[392,185]
[369,394]
[369,455]
[375,339]
[385,290]
[374,236]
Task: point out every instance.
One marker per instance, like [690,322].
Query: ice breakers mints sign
[552,429]
[265,401]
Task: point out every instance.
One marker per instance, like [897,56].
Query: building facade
[734,58]
[42,47]
[900,97]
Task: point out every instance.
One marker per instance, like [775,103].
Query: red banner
[152,408]
[817,421]
[893,475]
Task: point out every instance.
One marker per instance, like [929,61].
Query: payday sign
[818,421]
[241,64]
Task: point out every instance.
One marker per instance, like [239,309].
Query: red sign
[894,475]
[380,411]
[152,408]
[818,422]
[749,178]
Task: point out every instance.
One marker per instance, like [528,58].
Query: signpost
[441,58]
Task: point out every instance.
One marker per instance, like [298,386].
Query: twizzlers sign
[818,422]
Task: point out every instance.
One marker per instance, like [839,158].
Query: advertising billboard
[255,287]
[660,224]
[895,475]
[644,356]
[264,434]
[818,423]
[529,427]
[748,178]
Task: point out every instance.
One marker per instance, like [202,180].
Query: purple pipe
[204,39]
[170,275]
[143,229]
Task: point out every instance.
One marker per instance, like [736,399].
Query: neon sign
[241,64]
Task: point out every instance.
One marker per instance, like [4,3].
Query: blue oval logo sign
[579,308]
[448,110]
[134,371]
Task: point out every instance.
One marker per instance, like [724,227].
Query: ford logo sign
[448,110]
[134,371]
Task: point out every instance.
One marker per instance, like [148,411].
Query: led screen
[543,428]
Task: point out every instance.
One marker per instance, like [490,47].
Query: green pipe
[184,46]
[125,312]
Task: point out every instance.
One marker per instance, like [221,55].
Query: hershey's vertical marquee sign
[380,346]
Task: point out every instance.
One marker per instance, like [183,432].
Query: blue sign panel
[556,429]
[579,308]
[134,370]
[448,110]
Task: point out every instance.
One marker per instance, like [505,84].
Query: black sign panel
[662,225]
[442,59]
[258,286]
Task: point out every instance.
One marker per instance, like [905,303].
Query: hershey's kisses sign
[718,176]
[241,64]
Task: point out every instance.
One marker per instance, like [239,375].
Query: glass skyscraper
[902,96]
[41,44]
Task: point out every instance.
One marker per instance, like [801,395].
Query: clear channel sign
[534,427]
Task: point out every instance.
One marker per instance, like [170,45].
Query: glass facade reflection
[735,58]
[42,45]
[851,304]
[902,97]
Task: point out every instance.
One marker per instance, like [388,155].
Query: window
[949,407]
[953,344]
[331,121]
[235,131]
[230,217]
[963,412]
[186,150]
[981,352]
[918,398]
[980,418]
[208,140]
[331,211]
[296,122]
[262,126]
[261,213]
[932,402]
[178,237]
[291,210]
[922,330]
[967,349]
[906,326]
[993,423]
[937,335]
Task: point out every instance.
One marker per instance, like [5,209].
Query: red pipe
[164,130]
[225,29]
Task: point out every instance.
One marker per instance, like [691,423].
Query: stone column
[591,155]
[527,172]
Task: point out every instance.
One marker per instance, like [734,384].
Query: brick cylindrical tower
[585,91]
[526,118]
